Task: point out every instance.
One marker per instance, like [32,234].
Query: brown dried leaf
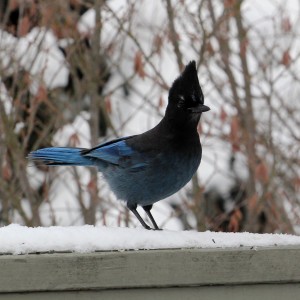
[244,46]
[161,102]
[13,4]
[91,186]
[6,172]
[158,43]
[138,64]
[209,48]
[234,134]
[24,26]
[223,114]
[173,36]
[108,104]
[41,94]
[230,7]
[238,214]
[74,140]
[252,202]
[262,172]
[234,222]
[286,58]
[229,3]
[297,183]
[286,24]
[269,196]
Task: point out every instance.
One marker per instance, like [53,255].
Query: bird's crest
[186,90]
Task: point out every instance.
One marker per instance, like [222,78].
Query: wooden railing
[230,273]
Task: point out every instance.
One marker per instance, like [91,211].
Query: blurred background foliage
[76,73]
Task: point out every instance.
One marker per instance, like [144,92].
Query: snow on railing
[131,263]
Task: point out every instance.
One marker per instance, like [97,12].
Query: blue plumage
[56,156]
[118,153]
[143,169]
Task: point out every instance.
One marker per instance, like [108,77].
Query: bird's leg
[147,209]
[132,207]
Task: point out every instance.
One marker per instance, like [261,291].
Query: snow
[16,239]
[37,53]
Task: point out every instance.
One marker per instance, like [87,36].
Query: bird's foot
[147,227]
[150,228]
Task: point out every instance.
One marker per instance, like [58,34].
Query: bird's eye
[181,102]
[194,98]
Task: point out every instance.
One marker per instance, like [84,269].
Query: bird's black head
[185,96]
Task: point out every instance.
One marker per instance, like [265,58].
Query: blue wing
[117,152]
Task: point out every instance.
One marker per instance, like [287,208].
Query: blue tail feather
[60,156]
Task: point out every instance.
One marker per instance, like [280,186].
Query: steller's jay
[145,168]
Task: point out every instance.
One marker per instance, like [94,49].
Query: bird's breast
[163,175]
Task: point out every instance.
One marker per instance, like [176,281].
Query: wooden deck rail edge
[148,269]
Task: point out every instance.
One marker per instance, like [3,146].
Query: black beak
[199,109]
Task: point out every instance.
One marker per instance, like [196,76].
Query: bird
[145,168]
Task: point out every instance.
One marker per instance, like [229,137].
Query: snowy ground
[16,239]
